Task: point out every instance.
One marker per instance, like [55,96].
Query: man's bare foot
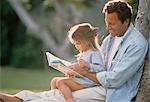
[9,98]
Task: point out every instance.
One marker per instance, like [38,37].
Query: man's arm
[124,69]
[91,75]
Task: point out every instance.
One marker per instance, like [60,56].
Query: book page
[60,64]
[51,58]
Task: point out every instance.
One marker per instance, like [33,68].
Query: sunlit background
[29,28]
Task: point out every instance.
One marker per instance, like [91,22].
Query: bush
[28,55]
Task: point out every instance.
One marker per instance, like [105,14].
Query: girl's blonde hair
[84,32]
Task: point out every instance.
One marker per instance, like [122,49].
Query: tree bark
[142,23]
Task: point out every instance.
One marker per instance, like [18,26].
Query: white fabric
[114,49]
[46,96]
[95,94]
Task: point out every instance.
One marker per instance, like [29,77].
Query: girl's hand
[83,64]
[76,67]
[73,67]
[70,74]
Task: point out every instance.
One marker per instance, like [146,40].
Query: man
[124,51]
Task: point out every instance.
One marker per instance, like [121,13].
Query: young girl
[84,37]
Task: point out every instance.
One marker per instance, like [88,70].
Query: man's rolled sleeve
[101,77]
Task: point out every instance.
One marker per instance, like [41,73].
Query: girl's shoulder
[96,51]
[92,52]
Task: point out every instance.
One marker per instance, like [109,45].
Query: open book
[60,64]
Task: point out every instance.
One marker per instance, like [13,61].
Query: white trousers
[94,94]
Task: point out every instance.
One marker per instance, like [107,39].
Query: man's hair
[123,9]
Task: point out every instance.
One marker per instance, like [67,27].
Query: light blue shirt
[95,60]
[121,80]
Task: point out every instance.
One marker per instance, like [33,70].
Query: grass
[13,80]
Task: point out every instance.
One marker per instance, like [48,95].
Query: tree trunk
[142,23]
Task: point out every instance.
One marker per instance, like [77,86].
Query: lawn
[13,80]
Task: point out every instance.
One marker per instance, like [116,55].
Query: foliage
[9,21]
[17,48]
[48,5]
[28,54]
[26,4]
[134,5]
